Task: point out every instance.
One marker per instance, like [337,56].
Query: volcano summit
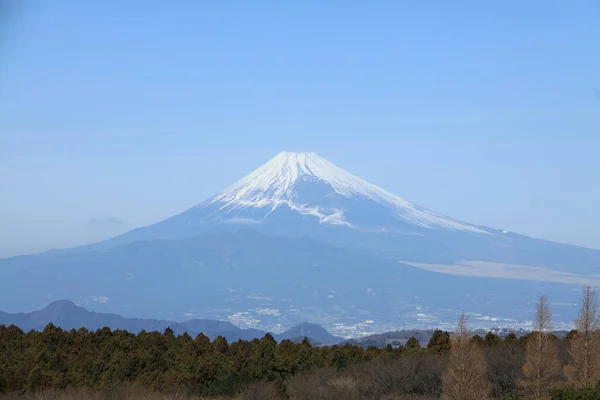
[303,194]
[301,239]
[311,186]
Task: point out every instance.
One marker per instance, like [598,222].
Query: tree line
[457,366]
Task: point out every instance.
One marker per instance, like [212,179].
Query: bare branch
[542,367]
[583,369]
[466,376]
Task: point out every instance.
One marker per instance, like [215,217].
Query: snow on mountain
[283,181]
[321,242]
[304,195]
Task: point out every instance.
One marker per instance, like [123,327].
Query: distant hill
[423,336]
[68,315]
[301,239]
[304,194]
[382,339]
[316,333]
[212,329]
[264,281]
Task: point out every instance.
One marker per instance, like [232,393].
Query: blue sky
[117,115]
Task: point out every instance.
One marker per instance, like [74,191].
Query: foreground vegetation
[121,393]
[58,364]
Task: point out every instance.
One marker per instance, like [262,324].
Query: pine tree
[220,344]
[263,359]
[412,343]
[478,340]
[491,339]
[511,338]
[439,342]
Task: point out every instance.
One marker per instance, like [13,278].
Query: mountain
[295,193]
[303,194]
[394,338]
[316,333]
[214,328]
[270,283]
[67,315]
[300,239]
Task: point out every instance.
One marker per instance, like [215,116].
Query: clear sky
[118,114]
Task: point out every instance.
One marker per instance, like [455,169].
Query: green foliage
[106,360]
[478,340]
[511,338]
[412,343]
[220,345]
[439,342]
[524,339]
[491,339]
[577,394]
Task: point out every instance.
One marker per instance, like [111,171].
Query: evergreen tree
[220,345]
[491,339]
[478,340]
[263,359]
[412,343]
[439,342]
[511,338]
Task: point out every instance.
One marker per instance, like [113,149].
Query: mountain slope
[315,332]
[272,250]
[269,283]
[68,315]
[302,194]
[312,186]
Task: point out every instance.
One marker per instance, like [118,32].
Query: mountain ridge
[303,194]
[300,239]
[263,281]
[68,315]
[275,183]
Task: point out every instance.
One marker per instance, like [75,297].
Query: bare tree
[583,369]
[542,368]
[466,376]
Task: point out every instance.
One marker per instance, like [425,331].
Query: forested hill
[165,362]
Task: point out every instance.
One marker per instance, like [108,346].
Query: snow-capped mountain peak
[286,179]
[275,180]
